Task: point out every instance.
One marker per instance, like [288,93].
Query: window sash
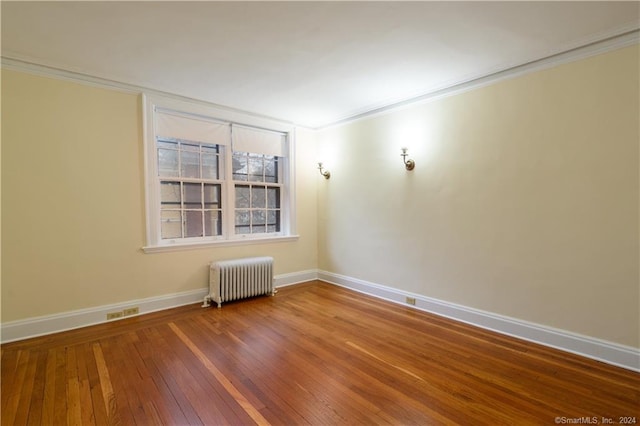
[183,200]
[207,156]
[259,211]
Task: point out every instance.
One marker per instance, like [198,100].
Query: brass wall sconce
[408,164]
[324,173]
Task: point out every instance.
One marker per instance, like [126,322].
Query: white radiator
[239,278]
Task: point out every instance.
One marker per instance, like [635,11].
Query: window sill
[219,243]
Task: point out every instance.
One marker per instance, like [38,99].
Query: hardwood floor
[313,354]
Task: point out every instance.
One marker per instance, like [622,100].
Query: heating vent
[239,278]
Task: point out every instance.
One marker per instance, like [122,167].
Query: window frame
[154,241]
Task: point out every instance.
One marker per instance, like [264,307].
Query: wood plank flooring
[314,354]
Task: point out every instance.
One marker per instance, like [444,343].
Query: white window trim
[154,242]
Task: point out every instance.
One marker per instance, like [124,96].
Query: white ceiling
[311,63]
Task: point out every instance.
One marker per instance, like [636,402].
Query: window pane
[273,198]
[193,224]
[239,166]
[273,218]
[259,229]
[258,197]
[212,222]
[242,217]
[256,168]
[167,144]
[167,162]
[270,169]
[243,229]
[190,147]
[211,196]
[258,217]
[242,196]
[170,224]
[190,166]
[192,195]
[242,222]
[170,194]
[209,166]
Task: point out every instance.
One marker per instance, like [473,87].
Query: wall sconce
[324,173]
[408,164]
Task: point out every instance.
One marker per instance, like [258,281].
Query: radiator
[238,279]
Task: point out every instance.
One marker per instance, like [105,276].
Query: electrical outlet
[114,315]
[411,300]
[131,311]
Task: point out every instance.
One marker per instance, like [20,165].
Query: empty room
[320,213]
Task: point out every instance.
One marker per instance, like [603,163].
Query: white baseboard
[601,350]
[611,353]
[48,324]
[284,280]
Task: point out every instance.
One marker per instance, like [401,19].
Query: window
[190,189]
[211,181]
[257,208]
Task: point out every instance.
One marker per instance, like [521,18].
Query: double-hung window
[257,179]
[214,181]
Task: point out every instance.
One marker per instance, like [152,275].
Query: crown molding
[15,64]
[628,38]
[609,44]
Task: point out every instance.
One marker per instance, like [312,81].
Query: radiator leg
[206,302]
[219,305]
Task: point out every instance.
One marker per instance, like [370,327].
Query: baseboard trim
[601,350]
[49,324]
[285,280]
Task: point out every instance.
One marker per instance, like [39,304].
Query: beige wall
[73,204]
[524,200]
